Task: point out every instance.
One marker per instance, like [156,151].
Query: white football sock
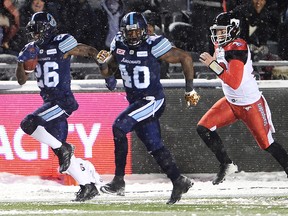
[42,135]
[79,171]
[83,172]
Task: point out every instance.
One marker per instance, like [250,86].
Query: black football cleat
[225,170]
[115,187]
[86,192]
[64,154]
[180,186]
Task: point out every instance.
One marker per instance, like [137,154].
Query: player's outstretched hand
[102,56]
[192,98]
[30,51]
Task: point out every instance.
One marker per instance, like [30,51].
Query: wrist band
[215,67]
[189,85]
[103,66]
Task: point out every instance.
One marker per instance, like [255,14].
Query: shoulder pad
[237,49]
[160,45]
[66,42]
[30,43]
[153,38]
[118,38]
[238,44]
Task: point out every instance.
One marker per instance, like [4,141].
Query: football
[30,65]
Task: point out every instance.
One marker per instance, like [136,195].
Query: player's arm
[21,75]
[108,66]
[107,63]
[83,50]
[30,51]
[176,55]
[232,75]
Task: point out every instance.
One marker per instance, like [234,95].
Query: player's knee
[202,131]
[118,132]
[153,146]
[30,123]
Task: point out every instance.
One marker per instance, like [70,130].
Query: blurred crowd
[264,23]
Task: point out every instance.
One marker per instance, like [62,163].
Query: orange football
[30,65]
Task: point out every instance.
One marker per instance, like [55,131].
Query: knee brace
[30,123]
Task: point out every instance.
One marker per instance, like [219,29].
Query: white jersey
[248,91]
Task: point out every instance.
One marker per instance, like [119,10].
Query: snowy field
[264,193]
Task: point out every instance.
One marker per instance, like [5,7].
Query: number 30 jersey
[53,72]
[140,66]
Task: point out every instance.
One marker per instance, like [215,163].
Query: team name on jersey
[131,61]
[45,59]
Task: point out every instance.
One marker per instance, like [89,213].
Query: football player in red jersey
[242,101]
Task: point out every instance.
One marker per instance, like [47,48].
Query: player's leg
[84,172]
[53,118]
[149,132]
[258,120]
[123,124]
[219,115]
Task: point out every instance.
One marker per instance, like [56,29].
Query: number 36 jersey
[53,72]
[140,66]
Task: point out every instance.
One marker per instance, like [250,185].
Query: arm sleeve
[233,76]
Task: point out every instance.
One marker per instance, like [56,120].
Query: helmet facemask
[134,37]
[134,29]
[223,38]
[41,30]
[228,27]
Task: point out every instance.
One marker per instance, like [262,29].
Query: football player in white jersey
[242,101]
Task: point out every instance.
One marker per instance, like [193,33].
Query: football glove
[192,98]
[30,51]
[102,56]
[111,83]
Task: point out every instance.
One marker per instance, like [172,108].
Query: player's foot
[116,186]
[180,186]
[225,170]
[64,154]
[86,192]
